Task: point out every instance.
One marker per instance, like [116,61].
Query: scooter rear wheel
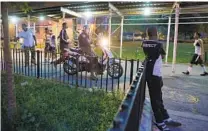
[70,69]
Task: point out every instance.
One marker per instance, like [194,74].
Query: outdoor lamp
[42,18]
[88,14]
[14,19]
[147,11]
[104,42]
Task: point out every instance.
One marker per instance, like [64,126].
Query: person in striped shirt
[64,44]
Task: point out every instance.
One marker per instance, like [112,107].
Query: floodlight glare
[104,42]
[14,19]
[42,18]
[147,11]
[88,14]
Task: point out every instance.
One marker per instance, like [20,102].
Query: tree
[203,28]
[11,99]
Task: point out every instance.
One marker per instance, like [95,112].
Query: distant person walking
[198,55]
[28,44]
[154,53]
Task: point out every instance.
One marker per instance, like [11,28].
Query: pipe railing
[128,117]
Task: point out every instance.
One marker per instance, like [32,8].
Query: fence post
[137,68]
[129,116]
[205,59]
[38,64]
[131,71]
[77,64]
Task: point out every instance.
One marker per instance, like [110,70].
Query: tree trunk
[11,99]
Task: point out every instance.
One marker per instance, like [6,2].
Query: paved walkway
[186,97]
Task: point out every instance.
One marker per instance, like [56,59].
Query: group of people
[50,45]
[153,51]
[29,43]
[84,44]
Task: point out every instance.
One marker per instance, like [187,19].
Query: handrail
[128,116]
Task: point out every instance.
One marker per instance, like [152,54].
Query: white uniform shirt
[154,51]
[28,38]
[157,70]
[198,49]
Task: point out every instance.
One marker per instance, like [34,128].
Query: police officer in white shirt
[154,53]
[28,44]
[198,55]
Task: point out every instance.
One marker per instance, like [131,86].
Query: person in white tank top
[198,55]
[198,49]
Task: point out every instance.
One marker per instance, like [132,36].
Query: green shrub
[43,105]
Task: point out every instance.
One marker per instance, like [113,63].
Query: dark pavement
[186,97]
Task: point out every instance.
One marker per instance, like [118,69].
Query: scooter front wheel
[115,70]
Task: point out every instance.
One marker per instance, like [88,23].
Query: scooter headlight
[104,42]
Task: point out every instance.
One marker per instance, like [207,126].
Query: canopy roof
[53,9]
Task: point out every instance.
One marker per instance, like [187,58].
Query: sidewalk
[186,97]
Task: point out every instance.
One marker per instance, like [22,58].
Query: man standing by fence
[64,44]
[154,54]
[29,44]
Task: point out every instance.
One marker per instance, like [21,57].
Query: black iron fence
[43,69]
[128,117]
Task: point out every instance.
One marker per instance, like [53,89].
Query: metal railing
[128,117]
[45,70]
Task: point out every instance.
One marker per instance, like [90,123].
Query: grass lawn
[43,105]
[133,50]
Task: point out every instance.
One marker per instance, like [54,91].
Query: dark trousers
[87,51]
[27,50]
[155,84]
[62,57]
[46,50]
